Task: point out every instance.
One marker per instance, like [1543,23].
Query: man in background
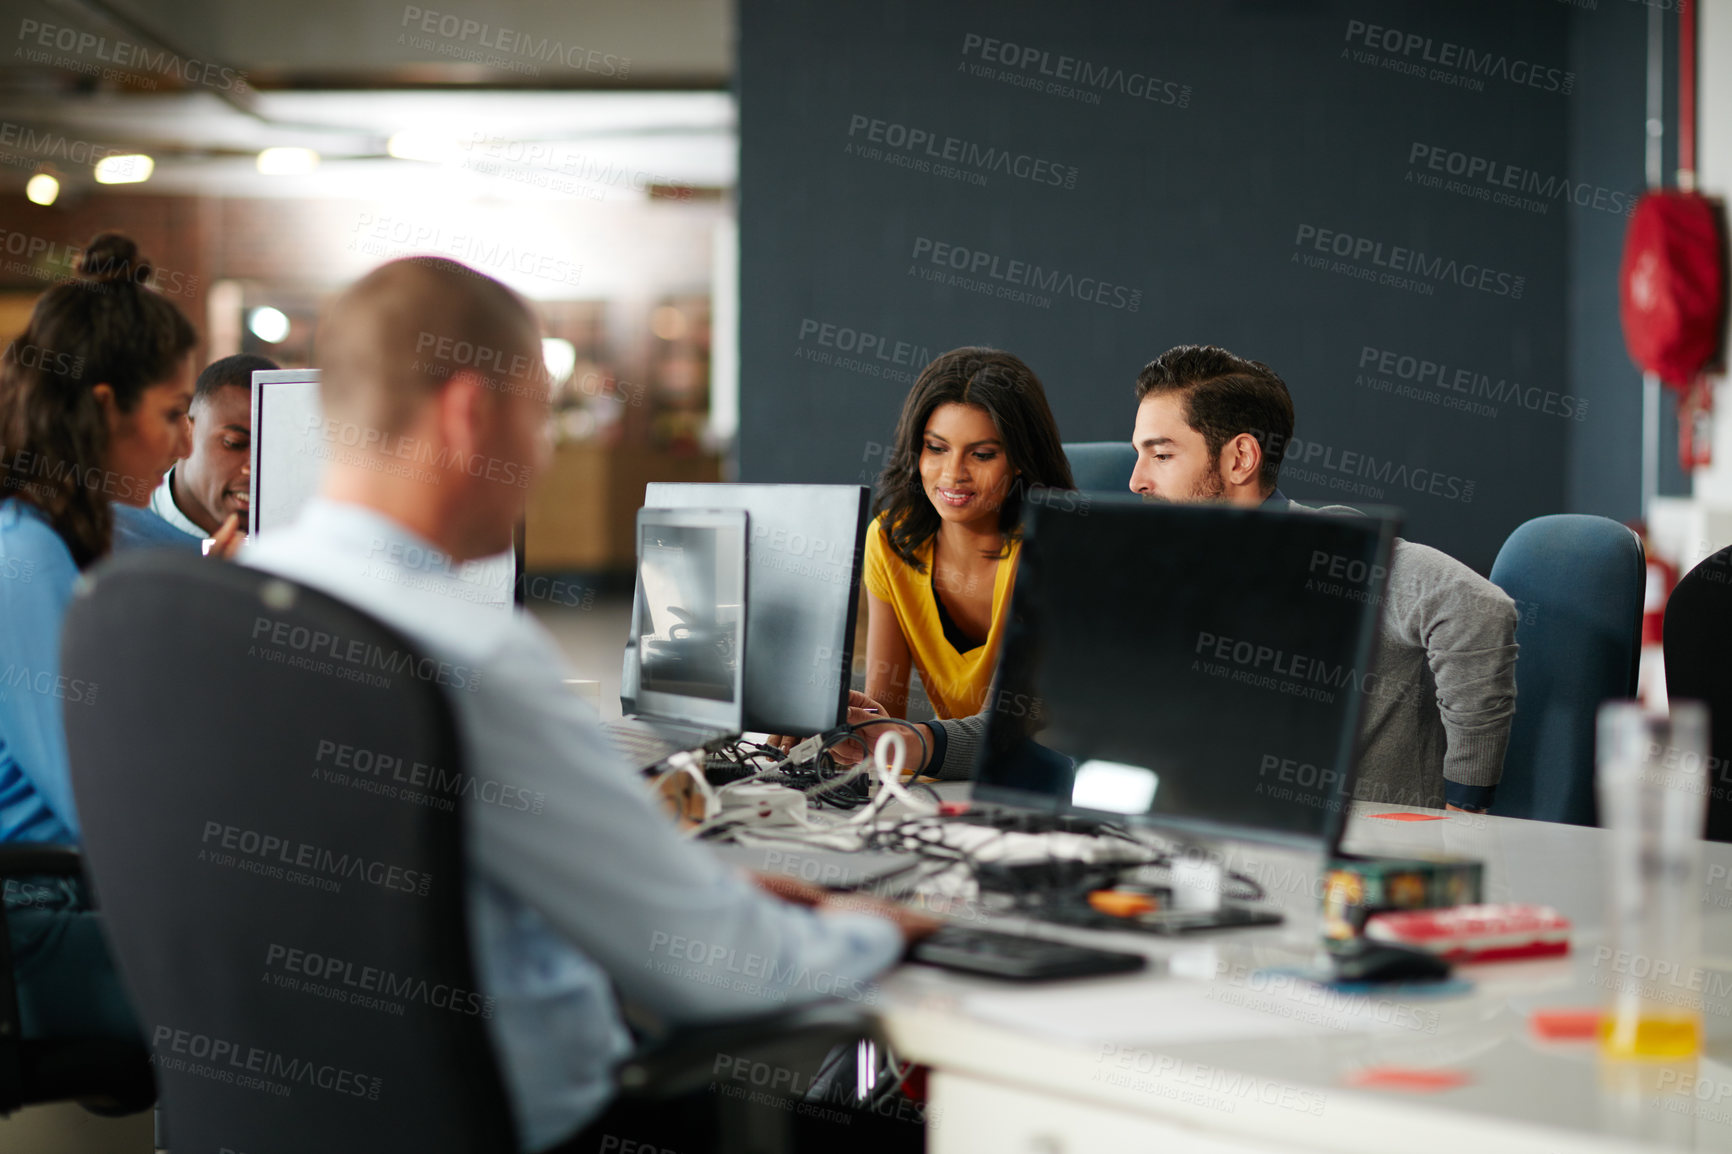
[213,482]
[1212,426]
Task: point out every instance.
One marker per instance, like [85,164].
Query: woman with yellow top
[975,436]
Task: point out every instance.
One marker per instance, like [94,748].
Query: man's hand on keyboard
[789,889]
[913,925]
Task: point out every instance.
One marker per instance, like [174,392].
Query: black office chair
[104,1075]
[227,862]
[1698,617]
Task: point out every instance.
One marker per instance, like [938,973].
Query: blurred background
[266,155]
[747,224]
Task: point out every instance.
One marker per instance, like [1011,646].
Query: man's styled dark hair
[236,371]
[1225,395]
[1011,394]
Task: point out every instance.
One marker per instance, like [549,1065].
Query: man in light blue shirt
[579,887]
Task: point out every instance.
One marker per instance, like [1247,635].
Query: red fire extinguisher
[1673,299]
[1672,282]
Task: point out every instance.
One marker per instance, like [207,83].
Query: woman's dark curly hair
[1012,396]
[105,327]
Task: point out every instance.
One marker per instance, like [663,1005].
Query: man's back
[579,887]
[1441,694]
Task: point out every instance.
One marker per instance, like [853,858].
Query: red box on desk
[1495,933]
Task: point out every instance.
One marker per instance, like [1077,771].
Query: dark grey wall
[1197,209]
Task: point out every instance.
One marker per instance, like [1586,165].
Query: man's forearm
[953,746]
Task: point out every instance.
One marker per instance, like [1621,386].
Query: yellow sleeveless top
[955,682]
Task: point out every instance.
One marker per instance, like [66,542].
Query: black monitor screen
[1194,667]
[688,611]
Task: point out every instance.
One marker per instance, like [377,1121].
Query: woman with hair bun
[93,401]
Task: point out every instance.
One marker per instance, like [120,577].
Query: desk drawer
[970,1116]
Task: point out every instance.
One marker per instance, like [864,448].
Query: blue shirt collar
[372,535]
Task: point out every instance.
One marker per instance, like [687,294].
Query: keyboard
[639,744]
[1013,957]
[644,745]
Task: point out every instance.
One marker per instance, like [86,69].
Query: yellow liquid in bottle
[1651,1035]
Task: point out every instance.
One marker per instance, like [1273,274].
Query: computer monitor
[1197,669]
[291,443]
[690,616]
[805,560]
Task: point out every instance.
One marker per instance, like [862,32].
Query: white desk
[1109,1065]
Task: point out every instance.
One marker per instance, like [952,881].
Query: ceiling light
[131,169]
[42,189]
[412,144]
[268,324]
[560,357]
[287,161]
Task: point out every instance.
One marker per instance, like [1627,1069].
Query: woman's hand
[228,539]
[863,711]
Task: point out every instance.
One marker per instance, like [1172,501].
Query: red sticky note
[1565,1025]
[1407,816]
[1408,1078]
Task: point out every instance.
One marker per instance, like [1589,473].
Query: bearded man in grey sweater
[1212,426]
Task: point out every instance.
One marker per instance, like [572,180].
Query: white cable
[890,770]
[886,763]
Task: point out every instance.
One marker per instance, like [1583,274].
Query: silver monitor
[689,619]
[291,443]
[805,558]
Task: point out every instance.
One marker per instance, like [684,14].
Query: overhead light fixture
[560,357]
[42,189]
[417,144]
[268,324]
[134,168]
[287,161]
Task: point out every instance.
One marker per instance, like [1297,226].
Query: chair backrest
[1578,583]
[1698,622]
[1101,466]
[270,791]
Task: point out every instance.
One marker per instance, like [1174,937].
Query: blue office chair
[1101,466]
[1577,582]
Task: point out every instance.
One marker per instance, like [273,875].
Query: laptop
[685,665]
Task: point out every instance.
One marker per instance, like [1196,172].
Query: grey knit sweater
[1436,720]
